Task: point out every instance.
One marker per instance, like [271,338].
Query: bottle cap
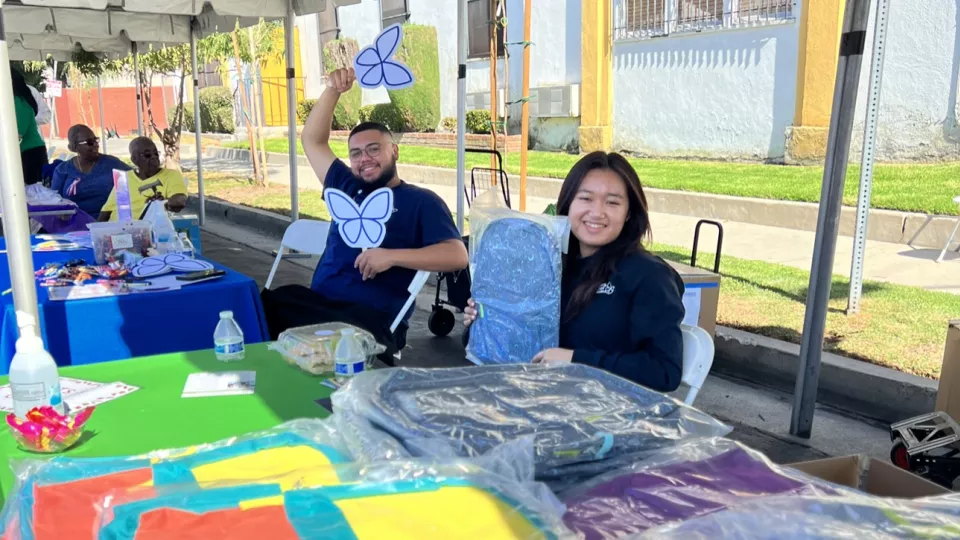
[226,314]
[29,344]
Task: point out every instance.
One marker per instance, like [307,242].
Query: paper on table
[77,393]
[97,395]
[226,383]
[691,304]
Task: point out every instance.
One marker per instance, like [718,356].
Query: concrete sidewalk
[884,262]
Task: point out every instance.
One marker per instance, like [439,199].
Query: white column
[13,201]
[197,128]
[291,110]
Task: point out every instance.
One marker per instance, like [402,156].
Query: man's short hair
[370,126]
[138,143]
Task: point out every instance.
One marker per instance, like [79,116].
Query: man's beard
[381,181]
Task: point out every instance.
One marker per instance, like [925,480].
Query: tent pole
[852,41]
[13,201]
[103,128]
[461,106]
[197,128]
[136,72]
[291,110]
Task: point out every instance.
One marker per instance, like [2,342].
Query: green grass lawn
[898,326]
[915,188]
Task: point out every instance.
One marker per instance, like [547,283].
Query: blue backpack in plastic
[516,271]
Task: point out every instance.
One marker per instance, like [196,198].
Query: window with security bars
[643,19]
[393,12]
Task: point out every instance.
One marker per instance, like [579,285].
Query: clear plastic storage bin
[313,348]
[117,241]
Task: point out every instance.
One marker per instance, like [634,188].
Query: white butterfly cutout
[361,226]
[163,264]
[375,65]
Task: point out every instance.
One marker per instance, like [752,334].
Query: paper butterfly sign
[162,264]
[361,226]
[376,67]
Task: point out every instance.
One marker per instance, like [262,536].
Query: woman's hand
[469,313]
[554,356]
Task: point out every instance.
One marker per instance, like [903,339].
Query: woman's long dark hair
[635,230]
[21,90]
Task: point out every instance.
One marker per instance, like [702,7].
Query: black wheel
[441,322]
[899,455]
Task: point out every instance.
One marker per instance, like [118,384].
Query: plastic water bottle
[34,381]
[187,248]
[349,357]
[228,339]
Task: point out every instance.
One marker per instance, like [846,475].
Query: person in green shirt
[33,151]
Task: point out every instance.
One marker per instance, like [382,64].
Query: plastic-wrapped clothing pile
[299,480]
[457,453]
[691,480]
[584,420]
[515,268]
[857,517]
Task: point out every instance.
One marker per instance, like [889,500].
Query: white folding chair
[697,359]
[303,235]
[946,246]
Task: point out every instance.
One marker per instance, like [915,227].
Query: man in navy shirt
[369,288]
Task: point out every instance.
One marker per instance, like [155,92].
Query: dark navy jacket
[632,327]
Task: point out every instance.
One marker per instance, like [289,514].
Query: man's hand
[176,203]
[341,80]
[374,261]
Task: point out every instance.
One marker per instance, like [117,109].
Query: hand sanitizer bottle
[34,381]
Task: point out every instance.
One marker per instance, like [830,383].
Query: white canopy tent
[115,28]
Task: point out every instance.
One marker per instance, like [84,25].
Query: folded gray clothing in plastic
[578,415]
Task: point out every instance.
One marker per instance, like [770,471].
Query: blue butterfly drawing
[361,226]
[375,67]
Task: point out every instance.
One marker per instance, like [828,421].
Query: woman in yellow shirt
[151,182]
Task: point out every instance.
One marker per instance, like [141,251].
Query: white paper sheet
[691,303]
[226,383]
[77,394]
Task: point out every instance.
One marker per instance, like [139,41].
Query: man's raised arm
[316,130]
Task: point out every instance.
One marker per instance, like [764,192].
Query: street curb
[866,389]
[851,385]
[919,230]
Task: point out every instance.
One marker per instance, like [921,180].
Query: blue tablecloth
[101,329]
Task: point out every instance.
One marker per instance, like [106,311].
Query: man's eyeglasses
[89,142]
[149,154]
[372,150]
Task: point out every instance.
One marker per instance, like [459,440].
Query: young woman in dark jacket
[621,305]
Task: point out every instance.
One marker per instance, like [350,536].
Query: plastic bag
[515,271]
[163,230]
[312,348]
[684,482]
[55,498]
[584,420]
[801,517]
[41,198]
[395,499]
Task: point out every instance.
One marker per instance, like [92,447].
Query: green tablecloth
[155,416]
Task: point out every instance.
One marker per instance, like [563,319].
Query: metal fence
[645,19]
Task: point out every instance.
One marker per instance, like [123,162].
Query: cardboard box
[701,295]
[948,389]
[872,476]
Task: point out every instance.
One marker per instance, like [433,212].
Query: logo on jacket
[607,288]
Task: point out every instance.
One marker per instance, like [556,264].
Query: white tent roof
[40,27]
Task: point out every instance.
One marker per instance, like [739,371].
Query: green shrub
[216,111]
[449,124]
[478,121]
[416,108]
[365,113]
[388,115]
[303,110]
